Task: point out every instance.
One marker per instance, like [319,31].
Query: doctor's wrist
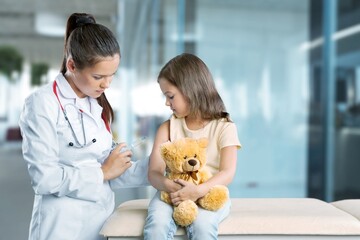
[105,173]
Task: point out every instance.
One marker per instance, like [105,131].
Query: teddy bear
[185,159]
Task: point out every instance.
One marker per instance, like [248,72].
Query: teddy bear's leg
[185,213]
[215,198]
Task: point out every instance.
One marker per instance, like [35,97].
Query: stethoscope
[77,143]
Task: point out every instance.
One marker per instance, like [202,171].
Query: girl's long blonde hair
[192,77]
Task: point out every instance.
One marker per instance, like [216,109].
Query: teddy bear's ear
[165,149]
[203,142]
[165,144]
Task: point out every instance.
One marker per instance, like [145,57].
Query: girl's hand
[188,191]
[117,163]
[173,187]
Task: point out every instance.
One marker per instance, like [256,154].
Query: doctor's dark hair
[192,77]
[88,42]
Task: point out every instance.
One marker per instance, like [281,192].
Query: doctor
[67,140]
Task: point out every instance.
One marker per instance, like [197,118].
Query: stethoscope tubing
[63,108]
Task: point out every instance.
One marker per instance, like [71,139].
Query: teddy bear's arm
[204,176]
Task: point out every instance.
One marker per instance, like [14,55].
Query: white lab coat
[71,199]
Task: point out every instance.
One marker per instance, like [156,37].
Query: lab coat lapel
[67,95]
[96,111]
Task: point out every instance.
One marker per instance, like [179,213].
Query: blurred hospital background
[287,70]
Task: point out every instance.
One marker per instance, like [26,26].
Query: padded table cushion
[284,216]
[351,206]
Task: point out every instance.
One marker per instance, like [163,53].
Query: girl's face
[174,98]
[93,81]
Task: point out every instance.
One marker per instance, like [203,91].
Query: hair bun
[85,19]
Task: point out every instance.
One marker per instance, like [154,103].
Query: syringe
[134,144]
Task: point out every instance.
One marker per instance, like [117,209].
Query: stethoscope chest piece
[71,144]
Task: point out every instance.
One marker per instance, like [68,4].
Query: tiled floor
[16,194]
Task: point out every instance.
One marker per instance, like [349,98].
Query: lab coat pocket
[61,218]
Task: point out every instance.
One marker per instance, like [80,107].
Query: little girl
[198,111]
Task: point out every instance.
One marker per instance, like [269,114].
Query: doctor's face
[93,81]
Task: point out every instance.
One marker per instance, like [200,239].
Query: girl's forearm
[221,178]
[160,182]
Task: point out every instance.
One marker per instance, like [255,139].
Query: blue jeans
[160,225]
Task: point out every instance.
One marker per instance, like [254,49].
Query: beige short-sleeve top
[220,133]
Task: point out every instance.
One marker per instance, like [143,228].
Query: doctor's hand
[117,163]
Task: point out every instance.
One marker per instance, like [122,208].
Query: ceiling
[21,22]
